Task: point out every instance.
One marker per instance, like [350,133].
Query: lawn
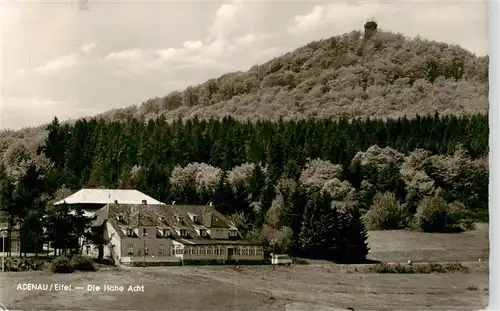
[319,286]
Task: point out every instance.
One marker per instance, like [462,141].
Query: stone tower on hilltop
[370,28]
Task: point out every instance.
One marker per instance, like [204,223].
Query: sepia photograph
[244,155]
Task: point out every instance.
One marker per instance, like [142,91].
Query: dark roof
[101,216]
[123,216]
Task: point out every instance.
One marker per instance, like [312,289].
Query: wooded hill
[385,75]
[277,178]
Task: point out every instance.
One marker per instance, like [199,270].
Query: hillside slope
[387,75]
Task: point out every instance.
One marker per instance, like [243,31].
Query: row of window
[161,249]
[203,250]
[164,232]
[217,250]
[182,232]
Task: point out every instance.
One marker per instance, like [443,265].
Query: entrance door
[230,253]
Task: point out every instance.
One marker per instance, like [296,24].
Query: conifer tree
[319,234]
[222,194]
[352,242]
[292,214]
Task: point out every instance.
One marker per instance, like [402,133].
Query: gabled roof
[212,220]
[160,216]
[105,196]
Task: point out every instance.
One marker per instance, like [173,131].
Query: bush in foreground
[61,265]
[14,264]
[417,268]
[82,263]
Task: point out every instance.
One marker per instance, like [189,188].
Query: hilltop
[385,75]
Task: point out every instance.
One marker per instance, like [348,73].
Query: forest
[384,75]
[275,180]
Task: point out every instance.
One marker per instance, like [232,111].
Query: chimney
[144,202]
[116,201]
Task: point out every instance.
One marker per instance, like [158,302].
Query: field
[319,286]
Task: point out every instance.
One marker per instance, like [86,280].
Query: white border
[494,186]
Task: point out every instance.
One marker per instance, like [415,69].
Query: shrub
[61,265]
[435,215]
[13,264]
[104,261]
[385,213]
[82,263]
[417,268]
[299,261]
[273,240]
[459,217]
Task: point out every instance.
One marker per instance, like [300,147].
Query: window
[187,251]
[194,251]
[251,251]
[222,251]
[130,248]
[210,250]
[258,252]
[237,251]
[244,251]
[233,232]
[129,232]
[203,232]
[179,251]
[144,232]
[161,250]
[173,251]
[195,218]
[203,250]
[166,232]
[88,249]
[183,232]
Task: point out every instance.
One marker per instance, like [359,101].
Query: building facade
[92,200]
[145,234]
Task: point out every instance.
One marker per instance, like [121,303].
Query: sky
[72,59]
